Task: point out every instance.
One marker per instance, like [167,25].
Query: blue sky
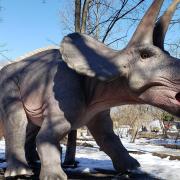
[30,24]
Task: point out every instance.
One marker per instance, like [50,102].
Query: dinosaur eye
[145,54]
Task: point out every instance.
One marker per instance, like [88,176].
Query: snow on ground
[2,153]
[91,158]
[161,168]
[165,141]
[144,145]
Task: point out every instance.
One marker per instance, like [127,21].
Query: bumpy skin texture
[60,94]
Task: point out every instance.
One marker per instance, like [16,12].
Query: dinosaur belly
[35,115]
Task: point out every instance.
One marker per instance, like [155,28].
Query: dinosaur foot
[18,170]
[125,163]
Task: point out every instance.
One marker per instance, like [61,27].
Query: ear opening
[88,56]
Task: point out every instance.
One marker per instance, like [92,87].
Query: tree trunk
[134,134]
[97,19]
[77,15]
[178,135]
[72,136]
[71,149]
[84,15]
[135,130]
[165,130]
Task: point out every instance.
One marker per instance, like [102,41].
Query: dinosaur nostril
[178,96]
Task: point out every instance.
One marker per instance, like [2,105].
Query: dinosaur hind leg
[101,127]
[30,144]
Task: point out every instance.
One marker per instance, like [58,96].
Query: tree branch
[117,17]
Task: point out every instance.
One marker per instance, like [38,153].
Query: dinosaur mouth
[178,97]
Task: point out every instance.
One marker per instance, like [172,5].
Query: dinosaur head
[154,75]
[151,74]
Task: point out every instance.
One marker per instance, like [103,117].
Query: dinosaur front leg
[53,129]
[101,127]
[15,122]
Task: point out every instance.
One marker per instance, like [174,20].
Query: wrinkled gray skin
[63,90]
[159,32]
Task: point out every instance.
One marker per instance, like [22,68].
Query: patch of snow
[91,158]
[145,146]
[165,141]
[2,149]
[161,168]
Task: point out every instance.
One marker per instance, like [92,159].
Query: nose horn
[162,24]
[144,31]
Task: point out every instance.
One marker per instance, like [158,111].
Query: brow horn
[144,31]
[162,24]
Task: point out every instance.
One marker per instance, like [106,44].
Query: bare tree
[164,118]
[111,21]
[133,116]
[72,136]
[3,46]
[80,26]
[99,18]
